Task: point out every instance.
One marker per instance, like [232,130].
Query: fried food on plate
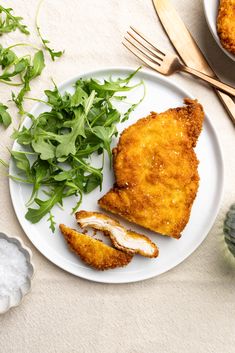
[155,168]
[94,252]
[226,24]
[122,239]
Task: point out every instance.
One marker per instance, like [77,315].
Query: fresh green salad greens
[29,72]
[59,143]
[53,54]
[5,117]
[25,68]
[9,23]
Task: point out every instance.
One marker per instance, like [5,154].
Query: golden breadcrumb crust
[94,252]
[156,170]
[81,217]
[226,24]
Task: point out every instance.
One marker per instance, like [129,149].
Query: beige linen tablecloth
[189,309]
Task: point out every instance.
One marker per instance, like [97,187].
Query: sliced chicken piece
[94,252]
[122,239]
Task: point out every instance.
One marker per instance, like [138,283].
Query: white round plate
[211,11]
[161,94]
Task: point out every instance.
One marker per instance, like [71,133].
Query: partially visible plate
[211,11]
[161,94]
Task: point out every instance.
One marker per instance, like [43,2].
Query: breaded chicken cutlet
[155,169]
[226,24]
[122,239]
[94,252]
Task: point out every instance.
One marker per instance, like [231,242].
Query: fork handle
[212,81]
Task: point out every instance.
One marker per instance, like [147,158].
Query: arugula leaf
[127,79]
[53,54]
[19,98]
[88,168]
[113,116]
[89,102]
[133,106]
[40,171]
[22,163]
[54,98]
[44,148]
[75,208]
[20,66]
[5,117]
[43,142]
[78,97]
[105,135]
[52,222]
[77,125]
[11,23]
[7,57]
[34,215]
[37,67]
[108,88]
[64,175]
[92,181]
[32,71]
[87,151]
[23,137]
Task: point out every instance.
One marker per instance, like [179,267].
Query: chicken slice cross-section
[94,252]
[123,239]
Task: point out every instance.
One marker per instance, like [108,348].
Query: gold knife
[187,48]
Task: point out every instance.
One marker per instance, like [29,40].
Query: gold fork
[165,63]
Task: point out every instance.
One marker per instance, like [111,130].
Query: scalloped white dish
[14,299]
[161,94]
[211,12]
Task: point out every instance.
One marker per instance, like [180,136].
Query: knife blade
[187,48]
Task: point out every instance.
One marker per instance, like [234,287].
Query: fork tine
[144,51]
[141,35]
[157,55]
[150,63]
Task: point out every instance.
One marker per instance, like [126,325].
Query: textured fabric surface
[189,309]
